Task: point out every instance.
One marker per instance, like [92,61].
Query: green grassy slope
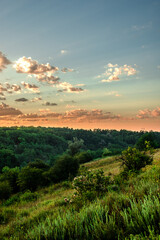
[131,212]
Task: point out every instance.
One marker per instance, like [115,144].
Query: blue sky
[84,37]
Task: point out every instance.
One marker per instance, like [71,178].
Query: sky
[80,64]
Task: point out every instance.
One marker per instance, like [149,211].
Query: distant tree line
[22,145]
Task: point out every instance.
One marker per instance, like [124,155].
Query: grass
[132,212]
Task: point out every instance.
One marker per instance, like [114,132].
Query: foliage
[131,212]
[106,152]
[84,157]
[30,178]
[66,166]
[147,137]
[5,190]
[134,160]
[11,175]
[74,146]
[7,158]
[90,184]
[28,196]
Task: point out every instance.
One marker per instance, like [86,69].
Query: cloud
[113,93]
[29,66]
[158,66]
[29,115]
[13,87]
[6,110]
[2,98]
[4,61]
[111,79]
[21,100]
[113,72]
[72,101]
[64,70]
[63,51]
[31,87]
[9,88]
[50,104]
[110,65]
[67,87]
[47,79]
[36,99]
[141,27]
[147,113]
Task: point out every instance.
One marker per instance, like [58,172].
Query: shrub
[134,160]
[106,152]
[28,196]
[90,184]
[12,200]
[5,190]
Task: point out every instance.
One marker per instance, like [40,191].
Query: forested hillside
[26,144]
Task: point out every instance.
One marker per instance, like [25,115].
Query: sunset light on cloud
[81,65]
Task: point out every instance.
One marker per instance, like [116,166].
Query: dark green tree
[7,158]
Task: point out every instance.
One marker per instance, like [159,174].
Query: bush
[106,152]
[28,196]
[90,184]
[134,160]
[12,200]
[5,190]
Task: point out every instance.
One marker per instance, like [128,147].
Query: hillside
[129,210]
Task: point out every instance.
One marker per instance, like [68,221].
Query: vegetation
[116,197]
[21,145]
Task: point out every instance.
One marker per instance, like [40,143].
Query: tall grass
[131,213]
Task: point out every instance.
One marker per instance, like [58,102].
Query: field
[129,211]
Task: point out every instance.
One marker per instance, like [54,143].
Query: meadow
[129,209]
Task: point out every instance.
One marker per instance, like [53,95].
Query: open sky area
[80,64]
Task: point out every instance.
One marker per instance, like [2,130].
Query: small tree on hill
[134,160]
[75,146]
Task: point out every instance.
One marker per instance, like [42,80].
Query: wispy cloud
[147,113]
[142,27]
[113,93]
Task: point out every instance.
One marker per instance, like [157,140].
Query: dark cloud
[50,104]
[21,100]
